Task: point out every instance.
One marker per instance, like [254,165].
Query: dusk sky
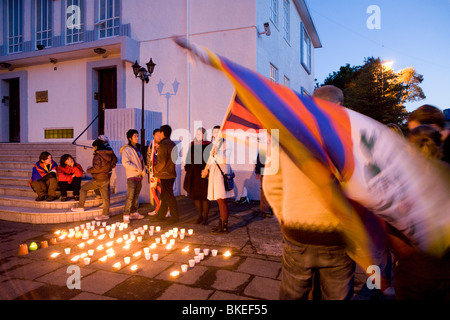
[413,33]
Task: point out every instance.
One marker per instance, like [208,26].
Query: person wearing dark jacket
[102,164]
[164,169]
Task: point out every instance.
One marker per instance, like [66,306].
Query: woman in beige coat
[220,155]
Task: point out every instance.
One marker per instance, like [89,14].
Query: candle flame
[81,245]
[227,254]
[137,254]
[117,265]
[101,237]
[185,249]
[91,241]
[75,259]
[175,273]
[54,255]
[100,248]
[103,259]
[153,246]
[134,267]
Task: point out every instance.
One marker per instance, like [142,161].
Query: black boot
[221,228]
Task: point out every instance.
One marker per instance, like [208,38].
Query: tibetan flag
[238,117]
[350,157]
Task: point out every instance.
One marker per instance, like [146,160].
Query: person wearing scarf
[43,178]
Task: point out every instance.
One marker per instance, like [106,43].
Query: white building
[53,83]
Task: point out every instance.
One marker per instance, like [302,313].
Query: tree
[376,90]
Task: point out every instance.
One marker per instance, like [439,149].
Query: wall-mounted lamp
[99,51]
[40,46]
[53,60]
[266,29]
[5,65]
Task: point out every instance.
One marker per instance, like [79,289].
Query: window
[286,22]
[274,11]
[287,81]
[58,133]
[109,18]
[15,26]
[44,22]
[74,21]
[305,50]
[273,73]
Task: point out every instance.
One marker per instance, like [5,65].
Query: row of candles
[83,231]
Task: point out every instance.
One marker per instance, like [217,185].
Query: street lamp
[144,75]
[160,86]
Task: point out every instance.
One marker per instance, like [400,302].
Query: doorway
[14,110]
[107,94]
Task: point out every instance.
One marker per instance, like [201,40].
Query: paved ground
[252,272]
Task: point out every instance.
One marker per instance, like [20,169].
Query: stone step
[49,216]
[38,145]
[27,202]
[26,191]
[14,181]
[20,173]
[17,165]
[18,153]
[27,158]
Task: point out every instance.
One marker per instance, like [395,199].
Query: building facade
[64,61]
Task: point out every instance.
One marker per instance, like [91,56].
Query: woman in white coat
[219,156]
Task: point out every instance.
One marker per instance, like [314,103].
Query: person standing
[194,184]
[164,169]
[133,162]
[218,163]
[69,177]
[43,177]
[103,162]
[155,184]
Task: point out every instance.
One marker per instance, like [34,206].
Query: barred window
[287,18]
[15,25]
[44,22]
[58,133]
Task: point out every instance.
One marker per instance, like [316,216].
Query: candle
[109,250]
[175,230]
[87,261]
[132,237]
[111,254]
[172,241]
[137,254]
[163,241]
[185,249]
[150,233]
[90,241]
[182,230]
[146,250]
[190,232]
[139,238]
[78,234]
[77,228]
[95,233]
[71,235]
[83,255]
[44,244]
[104,223]
[158,228]
[191,263]
[125,237]
[110,244]
[54,255]
[197,251]
[120,228]
[153,246]
[145,227]
[100,247]
[53,241]
[127,260]
[91,252]
[67,250]
[120,240]
[101,237]
[33,246]
[81,245]
[206,251]
[152,228]
[214,252]
[134,268]
[111,235]
[181,236]
[108,228]
[117,265]
[142,232]
[103,259]
[155,257]
[227,254]
[158,240]
[184,267]
[75,258]
[201,255]
[82,226]
[175,274]
[57,232]
[62,237]
[169,247]
[197,259]
[126,247]
[148,256]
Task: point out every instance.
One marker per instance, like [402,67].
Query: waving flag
[349,156]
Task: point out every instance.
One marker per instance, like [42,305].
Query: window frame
[70,34]
[305,39]
[45,34]
[273,73]
[115,19]
[14,40]
[274,11]
[287,20]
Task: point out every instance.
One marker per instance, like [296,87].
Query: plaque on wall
[41,96]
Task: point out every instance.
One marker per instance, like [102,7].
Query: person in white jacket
[133,162]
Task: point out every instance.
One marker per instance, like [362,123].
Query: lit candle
[117,265]
[181,236]
[90,241]
[77,228]
[125,237]
[109,250]
[95,233]
[126,247]
[175,230]
[127,260]
[132,237]
[158,228]
[81,245]
[111,235]
[206,251]
[190,232]
[182,230]
[83,255]
[201,255]
[71,235]
[146,250]
[152,228]
[158,240]
[191,263]
[104,223]
[185,249]
[169,246]
[197,259]
[67,250]
[153,246]
[150,233]
[110,244]
[214,252]
[145,227]
[91,252]
[184,267]
[100,247]
[82,226]
[101,237]
[155,257]
[148,256]
[78,234]
[103,259]
[111,254]
[120,240]
[197,251]
[62,237]
[54,255]
[134,268]
[175,274]
[227,254]
[58,232]
[87,261]
[137,254]
[139,238]
[172,241]
[75,259]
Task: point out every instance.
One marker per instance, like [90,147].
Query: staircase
[17,199]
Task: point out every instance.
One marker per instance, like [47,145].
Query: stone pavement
[252,272]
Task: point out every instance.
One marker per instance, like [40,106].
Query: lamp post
[160,86]
[144,75]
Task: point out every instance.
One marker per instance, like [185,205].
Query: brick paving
[251,273]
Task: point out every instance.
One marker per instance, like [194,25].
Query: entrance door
[14,110]
[107,87]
